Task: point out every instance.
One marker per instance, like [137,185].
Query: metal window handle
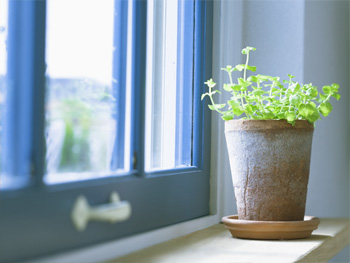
[115,211]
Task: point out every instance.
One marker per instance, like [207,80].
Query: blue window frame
[35,217]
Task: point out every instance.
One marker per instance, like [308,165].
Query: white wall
[309,39]
[326,60]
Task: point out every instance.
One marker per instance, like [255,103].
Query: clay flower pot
[270,162]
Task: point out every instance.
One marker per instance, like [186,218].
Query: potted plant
[270,146]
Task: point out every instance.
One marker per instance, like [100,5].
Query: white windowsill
[124,246]
[215,244]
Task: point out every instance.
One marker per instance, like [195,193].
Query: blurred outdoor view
[80,106]
[3,62]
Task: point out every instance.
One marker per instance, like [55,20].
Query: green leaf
[235,106]
[228,69]
[247,50]
[215,91]
[268,115]
[264,77]
[240,67]
[227,117]
[290,116]
[274,90]
[327,89]
[313,105]
[237,111]
[325,108]
[234,103]
[255,108]
[244,83]
[323,96]
[291,76]
[313,117]
[336,96]
[258,93]
[216,106]
[295,99]
[295,87]
[236,87]
[280,116]
[210,83]
[248,109]
[319,100]
[253,78]
[335,87]
[203,95]
[274,78]
[307,110]
[251,68]
[227,87]
[312,91]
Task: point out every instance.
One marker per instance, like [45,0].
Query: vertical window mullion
[202,70]
[184,83]
[156,88]
[119,80]
[24,149]
[138,82]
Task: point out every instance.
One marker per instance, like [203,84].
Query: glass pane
[162,87]
[3,70]
[81,107]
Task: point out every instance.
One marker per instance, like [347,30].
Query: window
[90,112]
[81,119]
[3,69]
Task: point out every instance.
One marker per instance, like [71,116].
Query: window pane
[164,105]
[81,105]
[3,70]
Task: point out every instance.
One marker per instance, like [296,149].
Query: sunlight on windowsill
[215,244]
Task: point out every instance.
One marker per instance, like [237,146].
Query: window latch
[113,212]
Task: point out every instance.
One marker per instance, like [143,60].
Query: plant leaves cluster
[262,97]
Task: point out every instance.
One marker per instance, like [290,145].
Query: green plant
[77,116]
[262,97]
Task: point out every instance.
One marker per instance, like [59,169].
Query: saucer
[270,230]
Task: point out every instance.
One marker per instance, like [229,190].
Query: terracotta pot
[270,162]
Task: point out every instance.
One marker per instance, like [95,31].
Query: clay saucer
[275,230]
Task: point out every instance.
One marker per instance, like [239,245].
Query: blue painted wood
[41,225]
[23,151]
[36,221]
[38,144]
[138,84]
[184,110]
[202,71]
[119,80]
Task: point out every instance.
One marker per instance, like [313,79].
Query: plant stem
[242,98]
[229,74]
[244,76]
[270,95]
[212,101]
[246,64]
[290,81]
[329,95]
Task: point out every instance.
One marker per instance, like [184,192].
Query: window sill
[214,244]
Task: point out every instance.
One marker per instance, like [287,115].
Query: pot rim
[242,125]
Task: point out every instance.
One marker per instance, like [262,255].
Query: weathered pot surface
[270,161]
